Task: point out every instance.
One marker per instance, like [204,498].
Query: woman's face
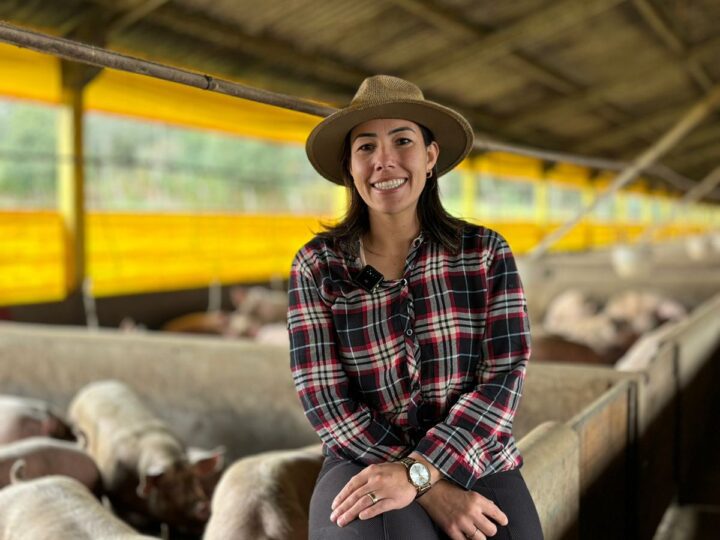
[389,162]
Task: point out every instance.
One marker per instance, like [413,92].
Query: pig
[147,472]
[263,305]
[22,417]
[552,348]
[58,507]
[213,323]
[567,308]
[273,334]
[241,325]
[266,496]
[643,311]
[43,456]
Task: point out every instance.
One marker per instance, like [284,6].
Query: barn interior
[597,155]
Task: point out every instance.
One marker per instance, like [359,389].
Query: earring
[428,174]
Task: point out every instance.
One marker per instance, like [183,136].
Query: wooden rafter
[452,24]
[464,31]
[540,25]
[700,138]
[324,69]
[658,23]
[206,30]
[634,129]
[706,156]
[134,15]
[591,97]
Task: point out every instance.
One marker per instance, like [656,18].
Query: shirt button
[416,242]
[404,282]
[409,332]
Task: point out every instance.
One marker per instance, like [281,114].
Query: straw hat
[382,96]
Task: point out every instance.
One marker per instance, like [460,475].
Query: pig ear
[81,438]
[149,481]
[206,462]
[17,471]
[238,295]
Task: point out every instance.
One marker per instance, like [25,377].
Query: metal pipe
[96,56]
[689,120]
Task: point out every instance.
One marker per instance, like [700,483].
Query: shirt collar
[351,252]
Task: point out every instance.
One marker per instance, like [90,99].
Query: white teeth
[390,184]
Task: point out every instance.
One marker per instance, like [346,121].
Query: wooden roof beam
[638,128]
[540,25]
[463,30]
[654,18]
[132,16]
[703,136]
[708,155]
[268,50]
[265,49]
[585,99]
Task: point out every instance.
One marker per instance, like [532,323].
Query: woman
[409,336]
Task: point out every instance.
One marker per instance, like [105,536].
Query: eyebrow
[391,132]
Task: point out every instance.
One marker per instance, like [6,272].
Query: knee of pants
[409,523]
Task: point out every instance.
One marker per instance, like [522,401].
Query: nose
[385,157]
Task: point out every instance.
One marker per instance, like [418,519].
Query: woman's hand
[388,482]
[462,514]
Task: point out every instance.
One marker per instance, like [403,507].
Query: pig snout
[201,511]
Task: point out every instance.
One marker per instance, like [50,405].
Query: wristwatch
[418,475]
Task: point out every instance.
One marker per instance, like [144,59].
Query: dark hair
[434,219]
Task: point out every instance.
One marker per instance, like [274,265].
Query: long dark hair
[434,219]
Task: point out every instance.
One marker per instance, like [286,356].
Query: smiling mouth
[387,185]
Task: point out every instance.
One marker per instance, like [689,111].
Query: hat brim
[452,132]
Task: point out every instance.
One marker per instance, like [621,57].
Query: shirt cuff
[450,464]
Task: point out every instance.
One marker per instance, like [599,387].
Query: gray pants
[506,489]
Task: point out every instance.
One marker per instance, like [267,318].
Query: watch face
[419,474]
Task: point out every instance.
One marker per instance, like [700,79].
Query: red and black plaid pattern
[434,362]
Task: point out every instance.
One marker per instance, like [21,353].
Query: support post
[71,186]
[468,183]
[71,170]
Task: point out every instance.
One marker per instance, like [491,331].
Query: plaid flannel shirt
[433,362]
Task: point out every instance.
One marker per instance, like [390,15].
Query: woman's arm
[348,427]
[479,425]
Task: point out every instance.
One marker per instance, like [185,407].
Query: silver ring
[373,497]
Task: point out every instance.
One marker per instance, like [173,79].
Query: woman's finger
[353,485]
[476,534]
[350,501]
[456,534]
[487,527]
[363,501]
[491,510]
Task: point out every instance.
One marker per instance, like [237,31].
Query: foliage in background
[27,148]
[134,165]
